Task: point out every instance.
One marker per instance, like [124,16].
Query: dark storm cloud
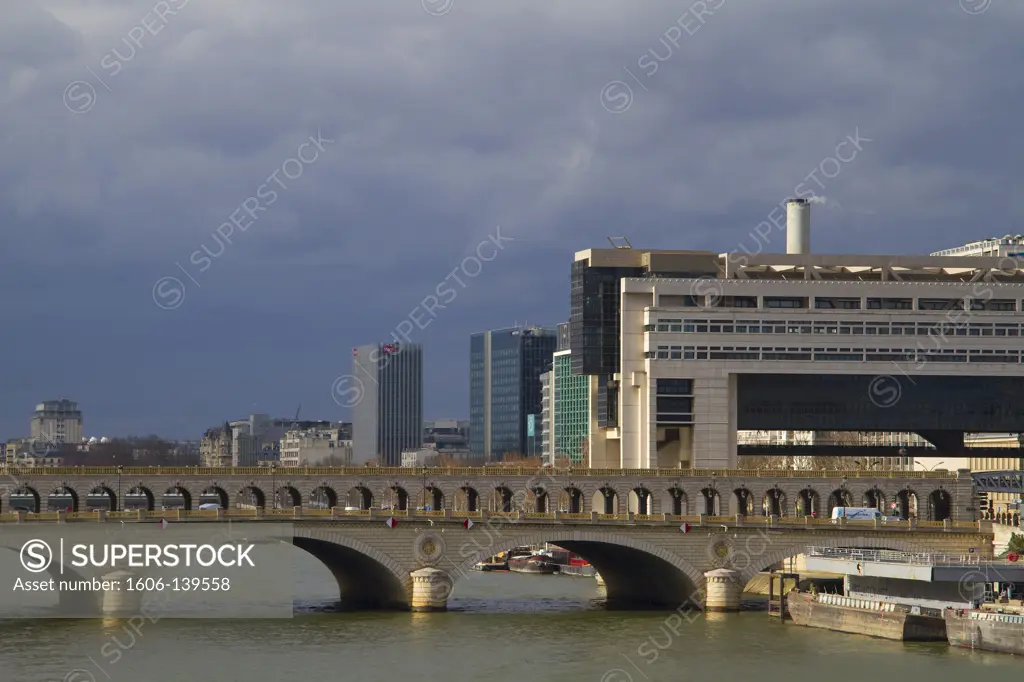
[444,127]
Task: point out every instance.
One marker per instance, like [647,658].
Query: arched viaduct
[643,566]
[931,496]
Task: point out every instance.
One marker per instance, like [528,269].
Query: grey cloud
[445,127]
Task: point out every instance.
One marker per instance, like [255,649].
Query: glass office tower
[504,388]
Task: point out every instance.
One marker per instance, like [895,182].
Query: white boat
[209,506]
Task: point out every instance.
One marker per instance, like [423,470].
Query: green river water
[501,627]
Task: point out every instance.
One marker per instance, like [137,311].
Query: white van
[855,514]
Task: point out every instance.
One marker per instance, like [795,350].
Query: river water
[501,627]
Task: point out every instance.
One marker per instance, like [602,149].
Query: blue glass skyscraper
[504,388]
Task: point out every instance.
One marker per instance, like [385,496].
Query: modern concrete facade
[56,422]
[387,419]
[504,388]
[673,334]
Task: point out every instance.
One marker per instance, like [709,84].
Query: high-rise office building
[56,422]
[570,412]
[505,390]
[388,415]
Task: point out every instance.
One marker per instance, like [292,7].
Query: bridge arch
[641,501]
[71,603]
[940,505]
[367,578]
[502,499]
[636,573]
[397,498]
[250,497]
[538,500]
[360,497]
[287,497]
[676,502]
[322,497]
[25,497]
[605,500]
[875,498]
[434,496]
[63,498]
[139,497]
[907,503]
[712,502]
[101,497]
[571,500]
[214,494]
[744,501]
[774,502]
[840,497]
[177,497]
[467,499]
[808,503]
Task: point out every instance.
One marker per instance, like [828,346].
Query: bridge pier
[723,591]
[431,588]
[120,600]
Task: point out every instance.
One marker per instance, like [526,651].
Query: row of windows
[834,303]
[831,354]
[705,326]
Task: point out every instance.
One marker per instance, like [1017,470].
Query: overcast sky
[130,132]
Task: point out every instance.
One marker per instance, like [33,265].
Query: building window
[890,304]
[674,386]
[784,302]
[940,304]
[837,303]
[738,302]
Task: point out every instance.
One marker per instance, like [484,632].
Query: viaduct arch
[367,577]
[636,572]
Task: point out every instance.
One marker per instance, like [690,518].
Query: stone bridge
[392,559]
[932,496]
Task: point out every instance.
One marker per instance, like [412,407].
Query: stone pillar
[723,590]
[121,600]
[431,588]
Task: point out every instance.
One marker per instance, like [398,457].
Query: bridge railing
[898,557]
[451,472]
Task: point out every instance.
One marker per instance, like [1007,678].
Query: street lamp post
[117,504]
[273,482]
[1020,470]
[926,468]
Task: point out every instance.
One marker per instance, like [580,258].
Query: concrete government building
[684,348]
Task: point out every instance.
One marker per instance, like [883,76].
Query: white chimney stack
[798,226]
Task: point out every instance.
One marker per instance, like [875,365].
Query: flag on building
[389,348]
[355,351]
